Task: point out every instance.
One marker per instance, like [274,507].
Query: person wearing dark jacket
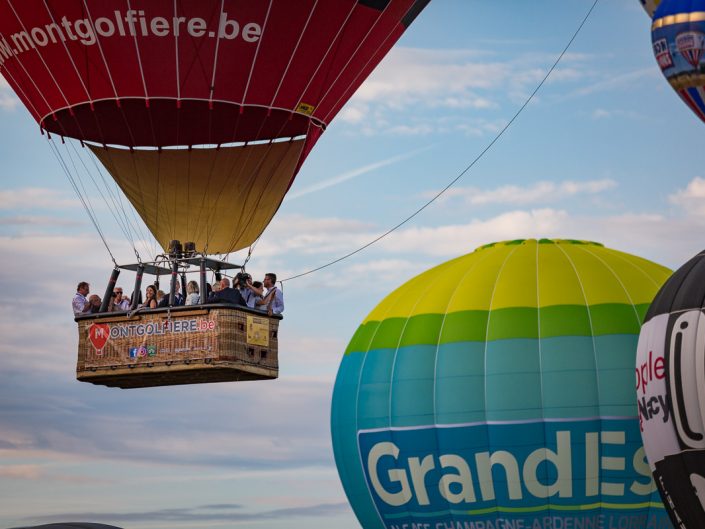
[226,294]
[178,298]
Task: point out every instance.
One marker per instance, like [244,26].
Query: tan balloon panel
[221,199]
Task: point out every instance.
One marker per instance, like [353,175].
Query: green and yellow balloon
[497,391]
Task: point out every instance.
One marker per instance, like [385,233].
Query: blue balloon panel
[678,37]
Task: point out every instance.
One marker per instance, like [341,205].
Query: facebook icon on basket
[138,352]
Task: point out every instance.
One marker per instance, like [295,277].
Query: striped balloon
[678,37]
[496,391]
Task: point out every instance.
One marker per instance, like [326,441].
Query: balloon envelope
[670,387]
[650,6]
[495,391]
[157,73]
[220,200]
[678,37]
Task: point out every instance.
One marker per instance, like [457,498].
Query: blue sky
[605,152]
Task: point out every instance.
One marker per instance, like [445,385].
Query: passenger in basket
[160,296]
[120,303]
[273,300]
[192,297]
[150,298]
[247,289]
[178,297]
[94,300]
[226,294]
[257,287]
[80,302]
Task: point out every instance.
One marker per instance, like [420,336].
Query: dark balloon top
[70,525]
[684,290]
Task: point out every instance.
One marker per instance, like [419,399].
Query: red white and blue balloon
[678,37]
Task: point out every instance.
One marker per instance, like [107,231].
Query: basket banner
[151,338]
[181,346]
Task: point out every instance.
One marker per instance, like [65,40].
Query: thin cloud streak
[349,175]
[39,220]
[610,83]
[40,198]
[537,193]
[225,513]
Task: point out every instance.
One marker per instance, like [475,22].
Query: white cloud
[409,249]
[411,130]
[318,355]
[440,83]
[540,192]
[36,198]
[458,239]
[662,239]
[377,274]
[353,114]
[309,235]
[8,99]
[601,113]
[410,75]
[38,220]
[691,200]
[430,85]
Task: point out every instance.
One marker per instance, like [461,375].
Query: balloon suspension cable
[122,222]
[130,226]
[470,166]
[86,206]
[250,251]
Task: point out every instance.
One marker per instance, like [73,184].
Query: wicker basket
[182,345]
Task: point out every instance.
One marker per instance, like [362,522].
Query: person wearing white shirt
[273,300]
[120,303]
[192,295]
[80,302]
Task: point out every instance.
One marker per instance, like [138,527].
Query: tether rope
[470,166]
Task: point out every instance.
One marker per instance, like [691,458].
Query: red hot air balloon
[161,73]
[203,112]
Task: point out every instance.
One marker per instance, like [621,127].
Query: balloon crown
[514,242]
